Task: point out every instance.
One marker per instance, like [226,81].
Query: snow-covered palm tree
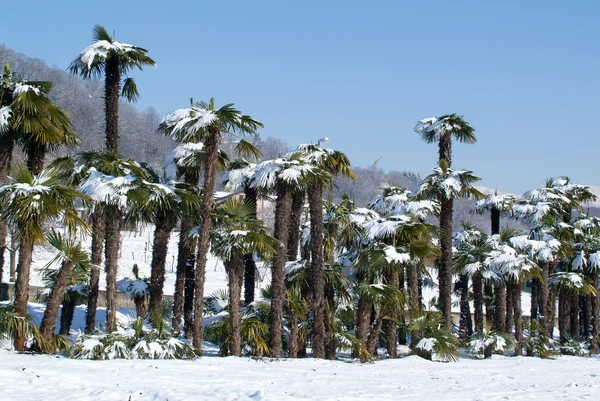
[30,201]
[445,185]
[114,60]
[203,122]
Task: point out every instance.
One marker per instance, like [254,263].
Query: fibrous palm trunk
[564,321]
[391,330]
[7,143]
[212,144]
[315,200]
[445,262]
[363,316]
[235,272]
[518,315]
[373,339]
[294,336]
[465,324]
[294,239]
[186,247]
[111,250]
[412,280]
[112,84]
[509,307]
[165,222]
[189,295]
[535,298]
[66,316]
[35,157]
[249,263]
[330,338]
[478,301]
[57,294]
[98,229]
[500,307]
[595,319]
[574,300]
[282,227]
[22,284]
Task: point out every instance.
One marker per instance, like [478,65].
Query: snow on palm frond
[98,51]
[181,156]
[105,188]
[544,247]
[503,203]
[385,228]
[449,184]
[184,123]
[132,288]
[508,262]
[362,215]
[390,198]
[290,171]
[393,256]
[573,281]
[19,87]
[431,129]
[594,261]
[421,209]
[235,179]
[5,113]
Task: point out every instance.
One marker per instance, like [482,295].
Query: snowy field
[28,377]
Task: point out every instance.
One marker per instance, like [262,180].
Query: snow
[22,88]
[97,52]
[4,116]
[211,378]
[190,120]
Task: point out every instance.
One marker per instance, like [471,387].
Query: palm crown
[431,129]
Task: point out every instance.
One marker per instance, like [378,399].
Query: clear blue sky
[523,73]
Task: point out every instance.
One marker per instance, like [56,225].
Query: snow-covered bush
[537,343]
[136,342]
[435,340]
[576,348]
[488,342]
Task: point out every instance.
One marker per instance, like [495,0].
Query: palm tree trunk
[98,230]
[185,250]
[282,228]
[509,307]
[140,305]
[518,315]
[391,330]
[445,263]
[574,299]
[235,271]
[112,86]
[189,295]
[212,143]
[563,315]
[111,249]
[294,240]
[162,233]
[412,280]
[373,339]
[500,307]
[535,298]
[363,316]
[66,317]
[7,143]
[585,305]
[294,336]
[22,284]
[595,319]
[315,200]
[488,290]
[465,312]
[249,263]
[57,294]
[14,240]
[35,157]
[478,301]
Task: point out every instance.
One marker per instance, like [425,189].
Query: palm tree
[331,163]
[237,234]
[29,117]
[445,185]
[202,122]
[71,255]
[30,201]
[283,176]
[114,60]
[498,204]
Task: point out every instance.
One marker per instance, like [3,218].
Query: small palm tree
[442,130]
[70,256]
[203,122]
[237,234]
[30,201]
[114,60]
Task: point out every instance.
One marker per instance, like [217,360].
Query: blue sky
[523,73]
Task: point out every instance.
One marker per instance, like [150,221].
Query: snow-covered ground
[37,377]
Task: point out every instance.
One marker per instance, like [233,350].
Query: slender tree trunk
[445,263]
[22,285]
[363,316]
[373,339]
[550,314]
[140,306]
[35,157]
[57,294]
[98,230]
[282,228]
[294,336]
[185,270]
[112,88]
[595,319]
[330,338]
[563,315]
[249,263]
[412,280]
[585,305]
[66,316]
[478,301]
[500,307]
[488,289]
[7,143]
[495,218]
[544,295]
[535,298]
[518,316]
[189,296]
[297,209]
[391,331]
[235,271]
[212,144]
[111,249]
[315,199]
[574,300]
[162,233]
[465,326]
[509,307]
